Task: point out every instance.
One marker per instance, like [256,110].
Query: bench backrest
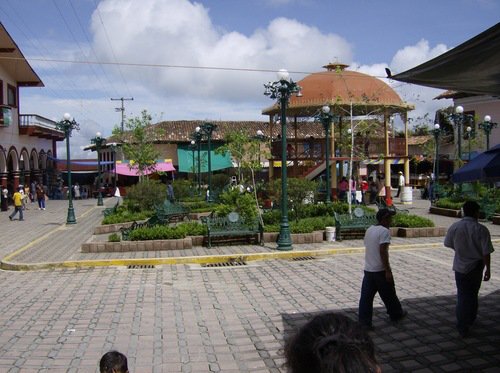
[222,223]
[352,220]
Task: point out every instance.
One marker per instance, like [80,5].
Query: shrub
[448,203]
[114,237]
[234,200]
[123,216]
[145,195]
[411,221]
[184,189]
[165,232]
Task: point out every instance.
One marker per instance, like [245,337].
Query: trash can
[330,234]
[407,195]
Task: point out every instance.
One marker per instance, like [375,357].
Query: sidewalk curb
[206,259]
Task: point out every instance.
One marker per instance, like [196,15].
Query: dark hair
[113,362]
[331,343]
[471,208]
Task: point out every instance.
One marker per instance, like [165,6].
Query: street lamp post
[460,119]
[207,129]
[326,120]
[487,125]
[99,142]
[113,147]
[192,146]
[282,89]
[196,137]
[435,191]
[469,136]
[67,125]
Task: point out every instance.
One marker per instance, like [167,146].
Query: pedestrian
[170,191]
[353,185]
[32,191]
[380,189]
[401,183]
[472,244]
[378,276]
[330,343]
[364,188]
[372,187]
[113,362]
[5,199]
[18,204]
[343,187]
[40,196]
[76,190]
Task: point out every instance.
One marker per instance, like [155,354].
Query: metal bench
[354,225]
[382,204]
[170,212]
[232,227]
[111,210]
[165,213]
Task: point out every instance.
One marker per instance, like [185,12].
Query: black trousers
[468,286]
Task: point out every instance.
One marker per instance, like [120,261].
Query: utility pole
[122,108]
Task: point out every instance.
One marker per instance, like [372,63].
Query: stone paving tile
[187,319]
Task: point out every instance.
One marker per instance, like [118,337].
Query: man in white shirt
[401,183]
[378,275]
[472,244]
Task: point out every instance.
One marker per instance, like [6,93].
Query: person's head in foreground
[113,362]
[471,209]
[384,216]
[331,343]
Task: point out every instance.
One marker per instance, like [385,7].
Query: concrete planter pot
[421,232]
[445,212]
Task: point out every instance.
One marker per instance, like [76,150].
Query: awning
[471,67]
[381,161]
[188,159]
[124,169]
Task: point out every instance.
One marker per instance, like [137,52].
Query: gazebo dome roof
[338,87]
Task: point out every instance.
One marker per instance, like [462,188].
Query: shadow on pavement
[427,338]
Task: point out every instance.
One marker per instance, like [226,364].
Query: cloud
[178,32]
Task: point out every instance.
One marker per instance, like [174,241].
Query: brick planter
[421,232]
[297,238]
[123,246]
[495,219]
[110,228]
[445,212]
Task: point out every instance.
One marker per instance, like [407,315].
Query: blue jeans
[17,209]
[468,285]
[374,282]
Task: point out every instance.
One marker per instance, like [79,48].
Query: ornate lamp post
[460,119]
[113,147]
[436,132]
[326,120]
[99,142]
[192,146]
[207,129]
[469,135]
[487,125]
[282,89]
[67,125]
[260,137]
[197,136]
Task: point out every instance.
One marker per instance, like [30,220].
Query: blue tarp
[485,167]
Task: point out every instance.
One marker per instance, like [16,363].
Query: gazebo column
[407,159]
[387,161]
[3,179]
[332,188]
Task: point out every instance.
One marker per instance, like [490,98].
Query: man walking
[471,242]
[401,183]
[378,275]
[18,204]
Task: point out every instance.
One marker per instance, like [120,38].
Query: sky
[209,59]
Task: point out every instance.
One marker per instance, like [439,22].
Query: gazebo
[351,96]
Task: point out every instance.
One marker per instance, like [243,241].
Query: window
[11,95]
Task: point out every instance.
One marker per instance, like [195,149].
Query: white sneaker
[43,208]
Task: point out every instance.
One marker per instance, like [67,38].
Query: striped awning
[381,161]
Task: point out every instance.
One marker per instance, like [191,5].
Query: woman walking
[40,196]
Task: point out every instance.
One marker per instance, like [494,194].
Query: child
[113,362]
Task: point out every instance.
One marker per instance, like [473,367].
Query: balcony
[38,126]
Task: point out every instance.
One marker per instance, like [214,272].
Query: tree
[245,151]
[138,143]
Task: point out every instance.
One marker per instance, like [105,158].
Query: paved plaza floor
[191,318]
